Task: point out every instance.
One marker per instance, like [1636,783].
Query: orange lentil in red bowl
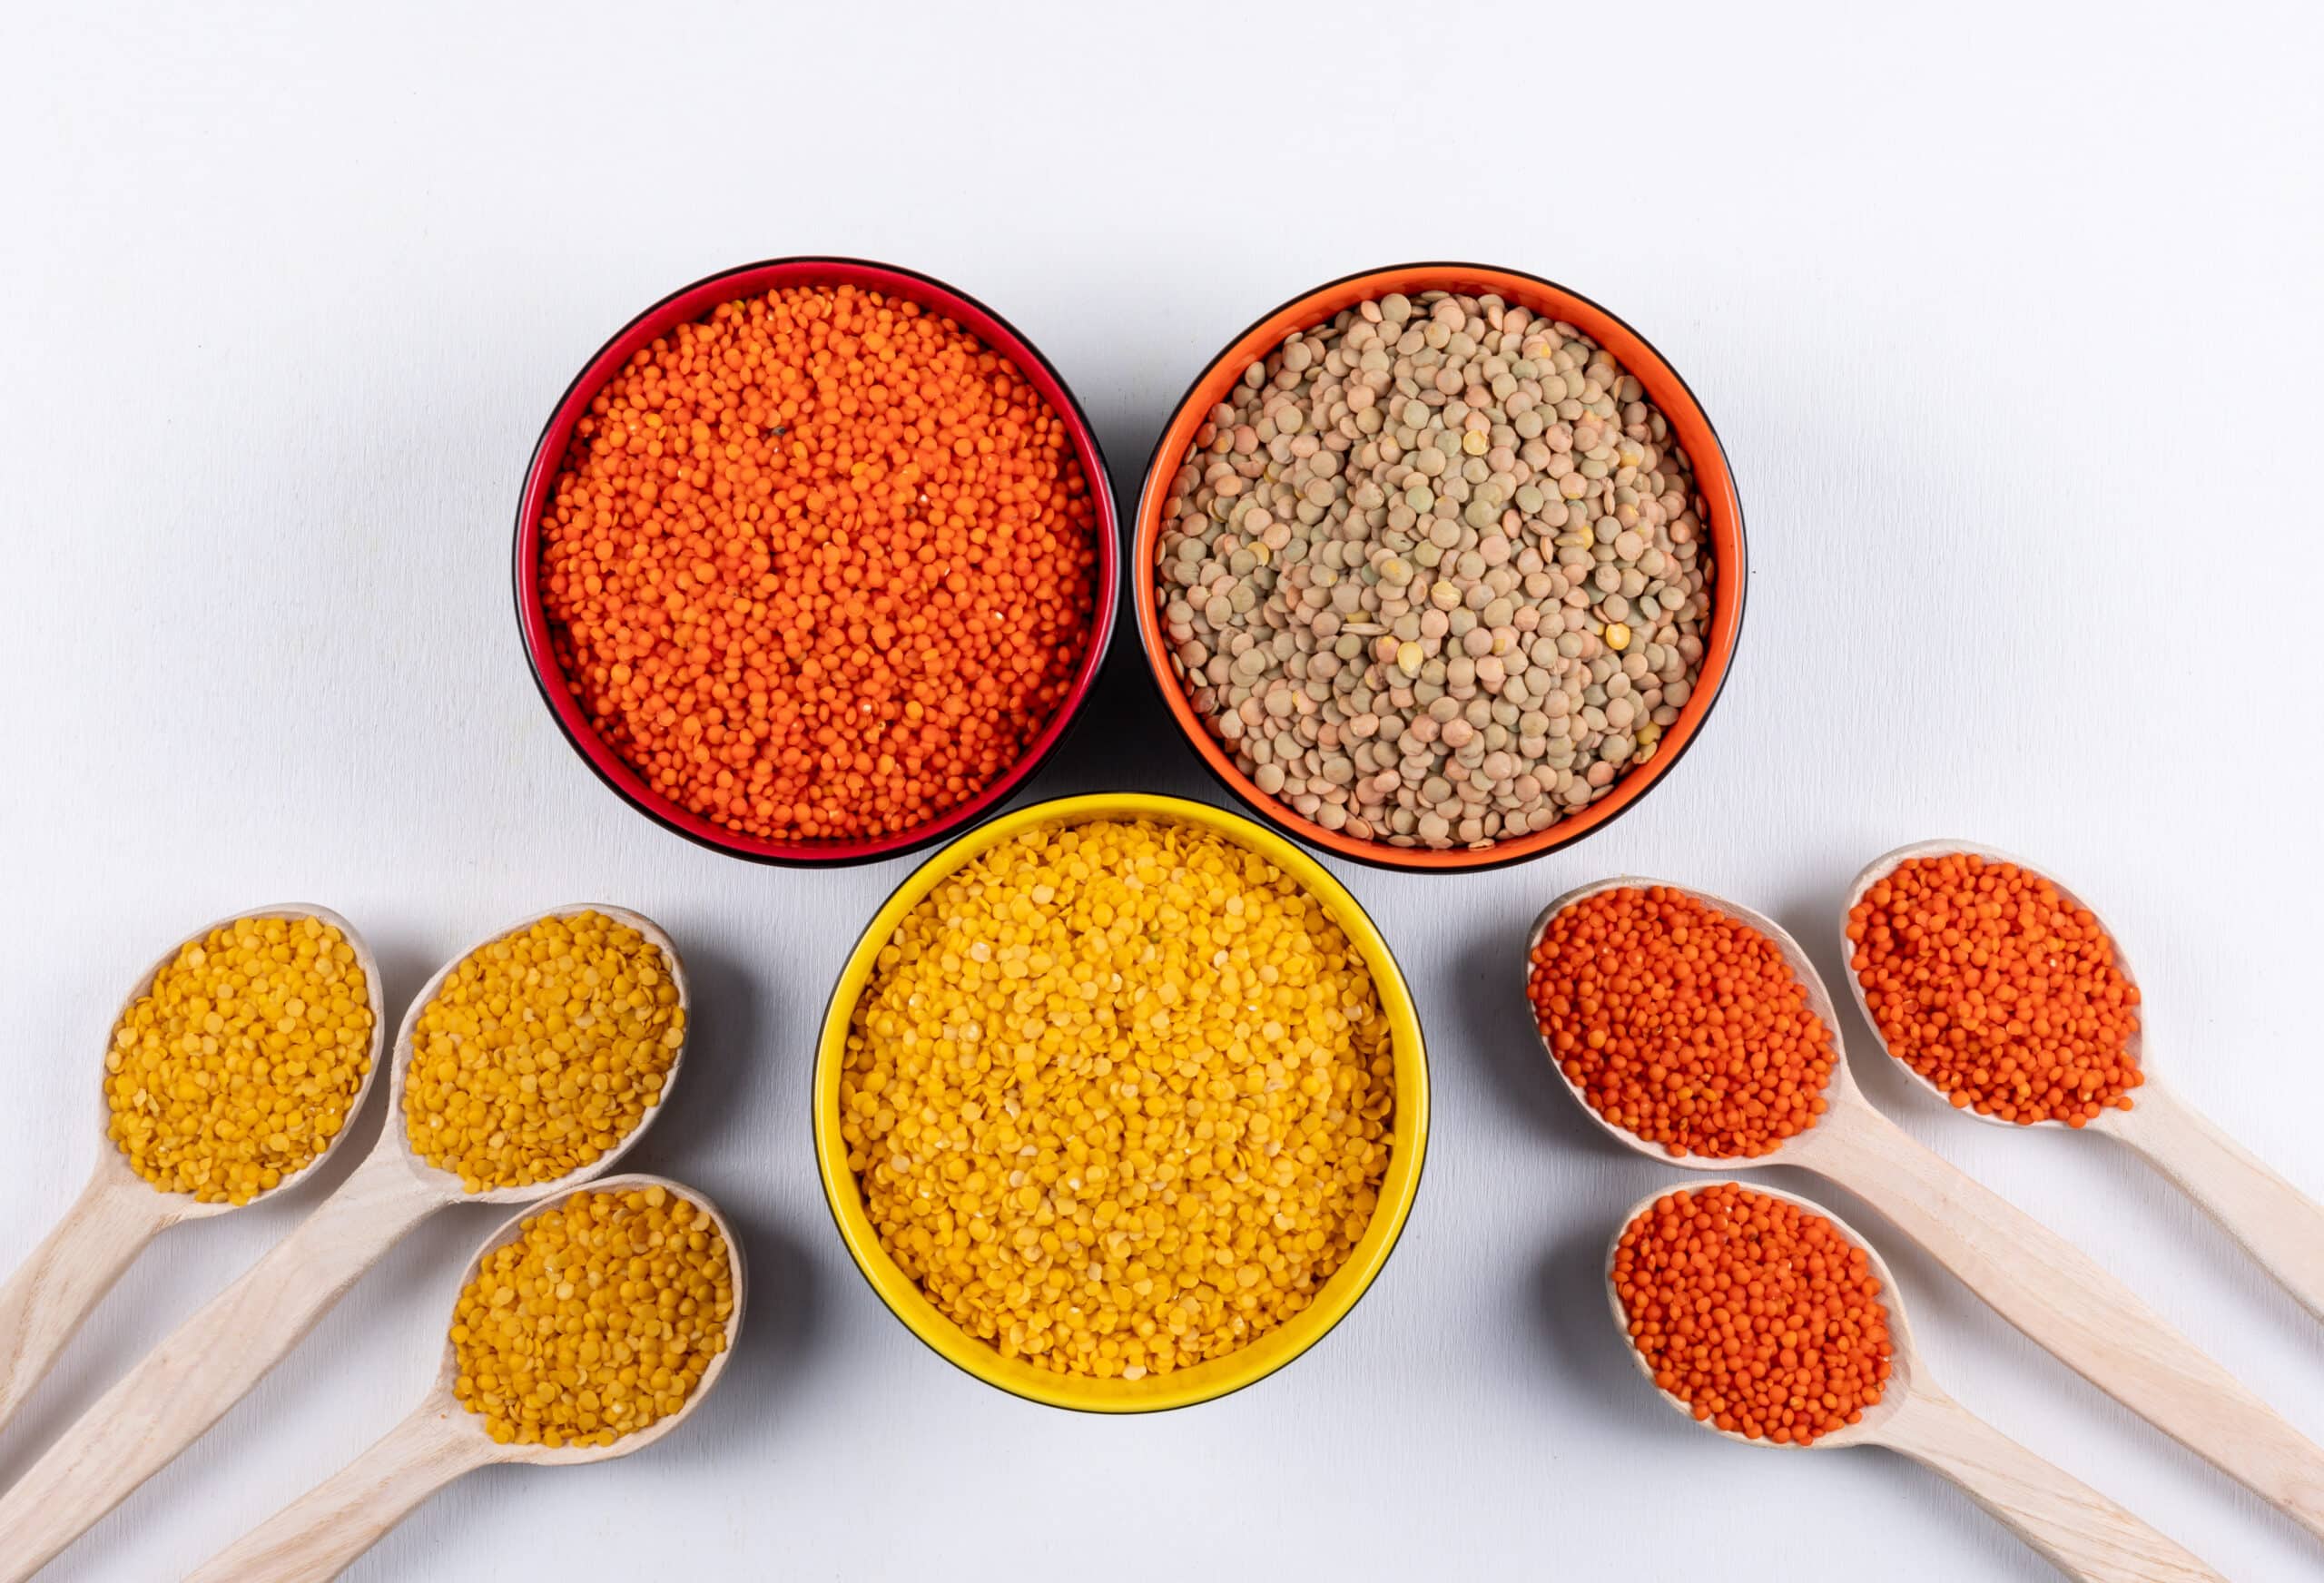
[819,564]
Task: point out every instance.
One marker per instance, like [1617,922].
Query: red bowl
[692,302]
[1669,393]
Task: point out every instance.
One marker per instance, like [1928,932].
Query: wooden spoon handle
[2076,1530]
[2065,1301]
[2277,1225]
[207,1364]
[317,1536]
[46,1299]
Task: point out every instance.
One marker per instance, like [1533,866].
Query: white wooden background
[2008,314]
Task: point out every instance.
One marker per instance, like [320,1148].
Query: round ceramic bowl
[1664,389]
[691,302]
[1184,1387]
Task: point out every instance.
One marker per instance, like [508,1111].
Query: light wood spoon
[2060,1296]
[2074,1528]
[118,1212]
[211,1360]
[322,1532]
[2279,1226]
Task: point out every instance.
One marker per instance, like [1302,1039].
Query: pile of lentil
[1680,1024]
[599,1320]
[540,1051]
[1436,573]
[239,1065]
[819,564]
[1119,1096]
[1763,1318]
[1986,981]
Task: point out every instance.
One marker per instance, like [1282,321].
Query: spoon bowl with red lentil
[1698,1033]
[233,1067]
[1768,1319]
[2002,992]
[1677,1084]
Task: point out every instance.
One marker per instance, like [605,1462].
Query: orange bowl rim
[1671,395]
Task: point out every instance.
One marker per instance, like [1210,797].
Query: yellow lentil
[239,1065]
[1118,1095]
[597,1321]
[540,1051]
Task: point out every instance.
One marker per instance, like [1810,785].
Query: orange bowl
[1664,388]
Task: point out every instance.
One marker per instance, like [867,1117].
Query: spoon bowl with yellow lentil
[1697,1032]
[484,1115]
[234,1066]
[1767,1320]
[2002,994]
[525,1067]
[584,1331]
[1120,1103]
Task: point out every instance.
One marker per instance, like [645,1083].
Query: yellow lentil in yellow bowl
[1120,1103]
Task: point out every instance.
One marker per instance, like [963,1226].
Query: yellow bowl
[1181,1387]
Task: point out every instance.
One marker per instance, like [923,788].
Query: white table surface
[2010,325]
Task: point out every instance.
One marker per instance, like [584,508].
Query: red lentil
[1986,981]
[1764,1318]
[819,564]
[1680,1024]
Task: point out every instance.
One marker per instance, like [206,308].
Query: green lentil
[1440,502]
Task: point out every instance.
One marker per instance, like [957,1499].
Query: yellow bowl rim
[1203,1381]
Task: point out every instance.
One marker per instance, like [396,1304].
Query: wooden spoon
[324,1530]
[2074,1528]
[2279,1226]
[118,1212]
[213,1359]
[2057,1294]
